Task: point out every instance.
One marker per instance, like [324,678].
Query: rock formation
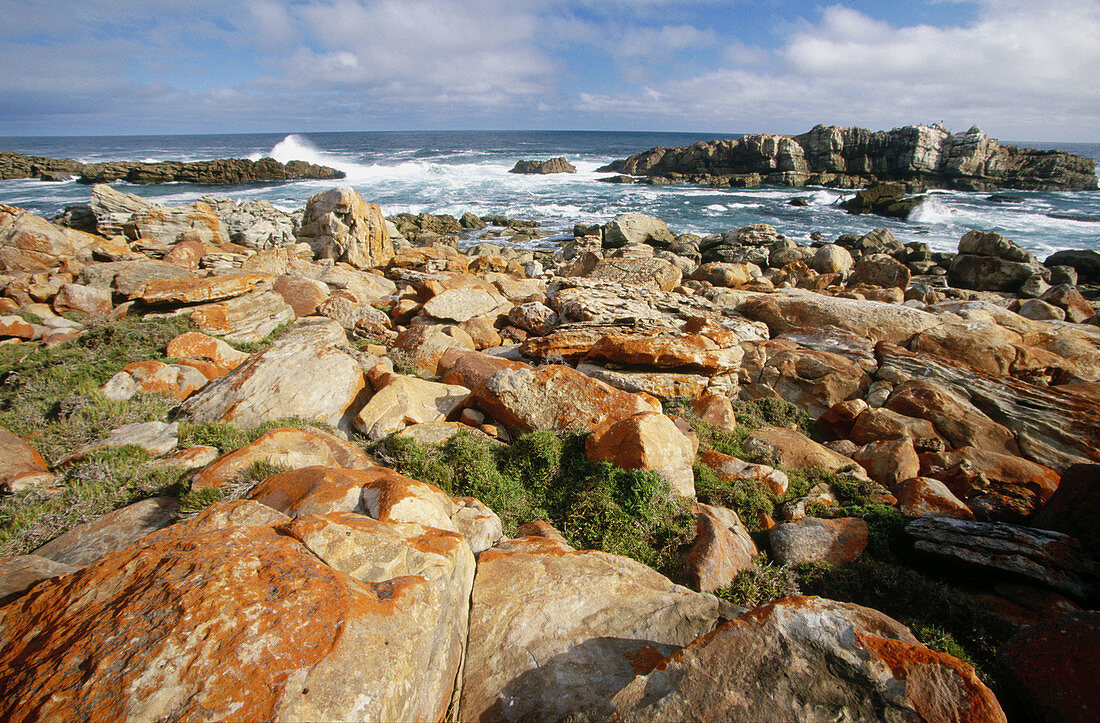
[554,165]
[221,171]
[856,157]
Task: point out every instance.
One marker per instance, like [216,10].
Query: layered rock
[221,171]
[554,165]
[846,157]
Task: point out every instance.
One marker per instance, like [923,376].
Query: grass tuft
[761,583]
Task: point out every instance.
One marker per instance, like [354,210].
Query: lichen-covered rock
[656,274]
[721,550]
[31,243]
[21,461]
[812,539]
[402,400]
[809,659]
[648,441]
[924,497]
[793,450]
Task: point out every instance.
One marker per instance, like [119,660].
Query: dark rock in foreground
[856,157]
[225,170]
[554,165]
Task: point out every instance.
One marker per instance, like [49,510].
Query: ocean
[457,171]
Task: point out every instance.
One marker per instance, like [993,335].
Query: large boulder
[554,630]
[286,610]
[31,243]
[657,274]
[554,398]
[646,441]
[795,308]
[721,550]
[291,379]
[554,165]
[403,400]
[812,539]
[23,465]
[339,225]
[808,659]
[635,228]
[791,449]
[117,530]
[989,262]
[996,486]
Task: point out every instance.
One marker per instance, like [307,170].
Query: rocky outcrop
[852,157]
[554,165]
[221,171]
[341,226]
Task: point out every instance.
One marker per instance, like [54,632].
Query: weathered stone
[156,438]
[647,441]
[176,380]
[282,447]
[1050,558]
[428,343]
[811,380]
[194,345]
[31,243]
[553,630]
[20,460]
[117,530]
[995,486]
[890,461]
[663,385]
[873,320]
[244,319]
[731,469]
[715,409]
[339,225]
[534,317]
[402,400]
[794,450]
[651,273]
[259,595]
[805,658]
[83,300]
[1074,507]
[554,398]
[831,259]
[197,290]
[956,419]
[924,497]
[14,326]
[634,228]
[20,574]
[465,303]
[722,548]
[303,295]
[812,539]
[282,382]
[873,425]
[554,165]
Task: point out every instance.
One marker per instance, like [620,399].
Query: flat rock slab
[20,574]
[116,530]
[198,290]
[812,539]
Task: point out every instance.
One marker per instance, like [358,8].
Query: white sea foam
[933,211]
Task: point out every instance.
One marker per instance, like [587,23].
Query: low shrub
[761,583]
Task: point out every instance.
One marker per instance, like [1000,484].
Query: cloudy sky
[1020,69]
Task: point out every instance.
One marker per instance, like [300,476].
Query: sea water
[457,171]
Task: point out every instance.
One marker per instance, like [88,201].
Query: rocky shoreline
[923,156]
[647,475]
[220,171]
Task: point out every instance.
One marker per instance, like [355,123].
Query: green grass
[761,583]
[194,501]
[228,437]
[542,476]
[104,481]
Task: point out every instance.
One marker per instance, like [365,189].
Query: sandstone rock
[177,380]
[314,490]
[794,450]
[282,447]
[282,382]
[156,438]
[471,369]
[14,326]
[831,259]
[1085,262]
[811,539]
[651,273]
[534,317]
[870,319]
[873,425]
[634,228]
[1050,558]
[303,295]
[730,469]
[995,486]
[403,400]
[282,630]
[811,380]
[956,419]
[889,462]
[439,432]
[647,441]
[662,385]
[880,270]
[339,225]
[117,530]
[31,243]
[715,409]
[463,304]
[721,550]
[924,497]
[724,274]
[990,262]
[689,352]
[194,345]
[198,290]
[1069,299]
[1049,662]
[427,344]
[809,655]
[83,300]
[1052,428]
[20,574]
[554,398]
[553,630]
[21,461]
[1040,310]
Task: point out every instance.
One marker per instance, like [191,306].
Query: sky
[1019,69]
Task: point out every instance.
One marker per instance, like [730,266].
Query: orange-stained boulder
[805,658]
[282,447]
[427,344]
[116,530]
[715,409]
[200,346]
[403,400]
[29,242]
[339,225]
[648,441]
[228,617]
[812,539]
[689,352]
[82,299]
[14,326]
[721,550]
[956,419]
[303,295]
[198,290]
[313,490]
[177,380]
[874,425]
[246,318]
[554,398]
[730,469]
[925,497]
[471,369]
[793,450]
[21,461]
[995,486]
[811,380]
[890,461]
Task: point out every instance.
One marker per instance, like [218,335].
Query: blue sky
[1021,70]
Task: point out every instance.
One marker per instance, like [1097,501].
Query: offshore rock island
[220,171]
[837,157]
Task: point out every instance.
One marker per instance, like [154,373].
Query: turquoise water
[454,171]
